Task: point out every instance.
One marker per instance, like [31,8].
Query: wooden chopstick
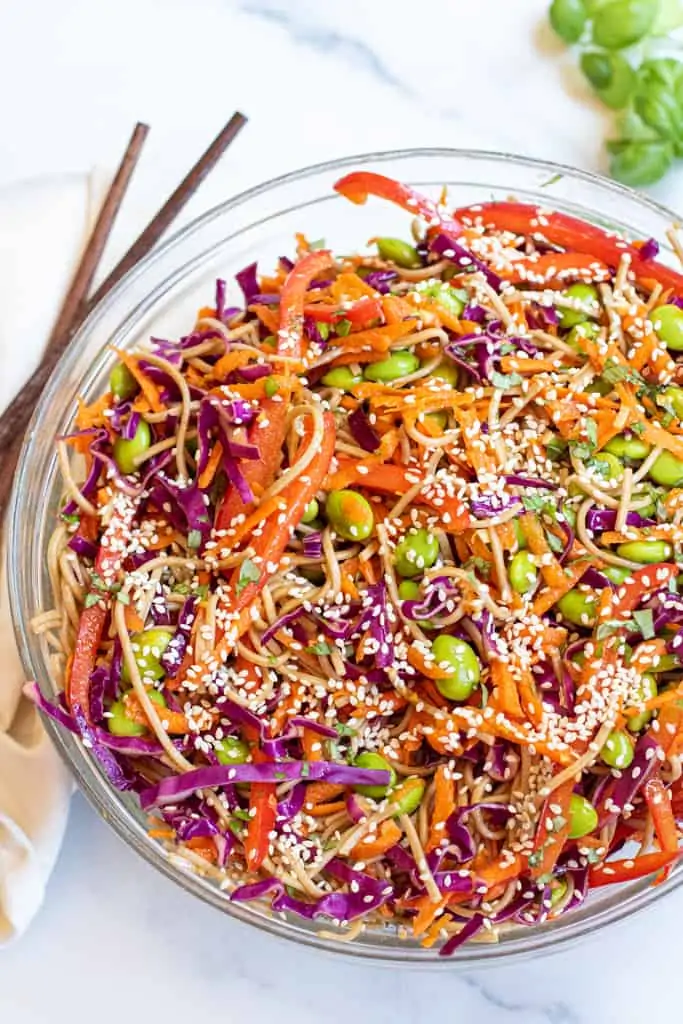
[17,414]
[14,420]
[171,208]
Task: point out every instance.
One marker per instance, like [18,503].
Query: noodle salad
[369,588]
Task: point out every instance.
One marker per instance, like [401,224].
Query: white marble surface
[318,80]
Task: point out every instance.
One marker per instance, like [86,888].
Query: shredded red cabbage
[248,282]
[362,430]
[313,545]
[172,658]
[179,787]
[650,249]
[446,246]
[381,280]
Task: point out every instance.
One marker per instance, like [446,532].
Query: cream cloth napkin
[43,227]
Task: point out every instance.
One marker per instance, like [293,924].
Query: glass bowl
[160,297]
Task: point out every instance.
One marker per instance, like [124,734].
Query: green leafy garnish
[91,599]
[502,381]
[643,619]
[321,648]
[557,446]
[194,539]
[249,573]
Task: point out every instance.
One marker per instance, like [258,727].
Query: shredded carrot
[212,466]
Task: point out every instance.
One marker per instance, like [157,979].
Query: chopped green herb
[321,648]
[194,539]
[502,381]
[122,598]
[552,181]
[535,858]
[645,622]
[92,599]
[592,432]
[71,517]
[241,814]
[554,542]
[557,446]
[249,573]
[318,244]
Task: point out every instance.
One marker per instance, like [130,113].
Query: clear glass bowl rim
[530,941]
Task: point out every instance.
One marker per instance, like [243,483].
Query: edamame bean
[231,750]
[666,470]
[621,23]
[341,377]
[148,647]
[580,333]
[568,18]
[403,254]
[310,512]
[618,750]
[646,691]
[668,323]
[587,294]
[672,397]
[628,447]
[616,573]
[447,372]
[118,722]
[125,452]
[376,762]
[122,383]
[605,466]
[408,796]
[439,419]
[523,572]
[418,551]
[579,606]
[583,817]
[350,514]
[452,653]
[647,552]
[519,535]
[398,364]
[409,590]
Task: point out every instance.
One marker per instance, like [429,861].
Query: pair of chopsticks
[78,302]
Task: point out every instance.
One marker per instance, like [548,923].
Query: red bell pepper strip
[555,269]
[268,547]
[629,593]
[358,185]
[570,233]
[263,811]
[360,315]
[92,620]
[659,805]
[630,869]
[290,341]
[268,430]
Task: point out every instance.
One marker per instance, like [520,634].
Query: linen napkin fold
[43,227]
